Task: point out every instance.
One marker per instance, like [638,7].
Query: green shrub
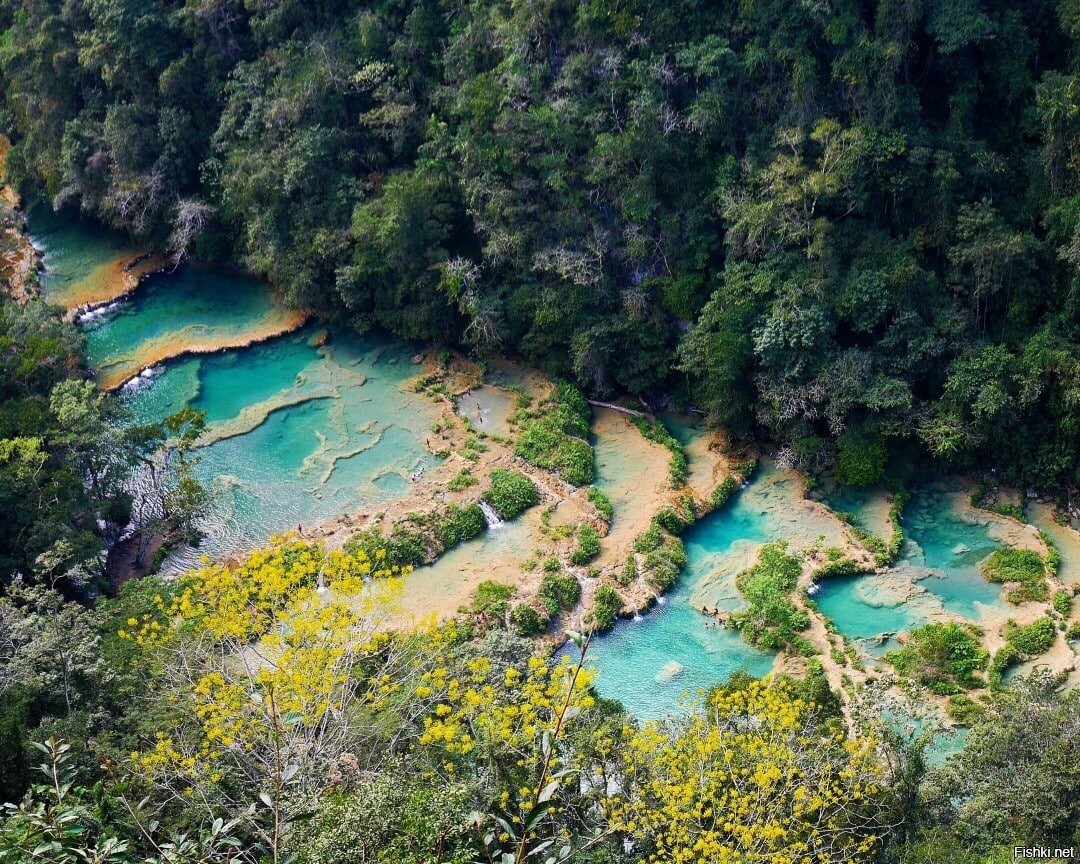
[385,821]
[588,546]
[556,437]
[404,547]
[473,448]
[663,565]
[602,504]
[1005,657]
[859,462]
[771,619]
[672,521]
[944,657]
[722,493]
[629,572]
[1034,639]
[964,710]
[651,539]
[840,567]
[559,593]
[462,480]
[490,598]
[1018,565]
[552,564]
[605,612]
[1062,603]
[527,620]
[510,493]
[456,524]
[1053,556]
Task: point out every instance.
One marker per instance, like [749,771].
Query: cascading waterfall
[491,517]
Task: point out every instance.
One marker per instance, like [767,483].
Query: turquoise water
[950,548]
[940,555]
[635,661]
[173,312]
[858,615]
[297,433]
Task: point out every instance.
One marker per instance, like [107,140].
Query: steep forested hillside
[852,225]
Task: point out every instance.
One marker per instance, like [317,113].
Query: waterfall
[490,516]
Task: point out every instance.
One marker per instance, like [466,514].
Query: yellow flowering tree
[277,669]
[509,724]
[752,777]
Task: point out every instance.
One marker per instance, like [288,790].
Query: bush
[722,493]
[527,621]
[1021,643]
[608,604]
[858,462]
[387,820]
[663,565]
[672,521]
[457,524]
[771,619]
[1062,603]
[656,431]
[963,710]
[462,480]
[602,504]
[559,593]
[404,547]
[490,598]
[510,493]
[944,657]
[840,567]
[1034,639]
[652,539]
[1018,565]
[1053,556]
[556,437]
[588,545]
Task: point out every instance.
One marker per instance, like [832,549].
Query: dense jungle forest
[847,234]
[851,227]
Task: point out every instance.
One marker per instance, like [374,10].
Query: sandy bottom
[632,471]
[499,554]
[110,281]
[1066,539]
[488,408]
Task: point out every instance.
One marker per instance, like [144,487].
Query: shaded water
[80,258]
[193,310]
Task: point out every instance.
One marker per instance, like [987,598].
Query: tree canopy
[849,225]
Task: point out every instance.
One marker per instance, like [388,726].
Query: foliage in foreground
[758,775]
[261,710]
